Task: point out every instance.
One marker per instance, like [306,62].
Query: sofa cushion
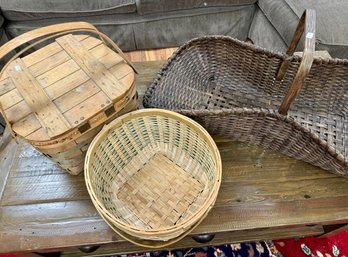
[133,31]
[174,31]
[155,6]
[331,22]
[19,10]
[263,34]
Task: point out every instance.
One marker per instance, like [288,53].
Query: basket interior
[223,73]
[152,172]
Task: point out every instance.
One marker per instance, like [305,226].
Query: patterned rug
[333,246]
[252,249]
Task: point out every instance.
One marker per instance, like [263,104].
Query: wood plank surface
[10,99]
[87,108]
[46,112]
[76,96]
[6,85]
[66,84]
[41,54]
[220,238]
[38,135]
[49,63]
[58,73]
[150,55]
[264,195]
[108,83]
[27,125]
[100,51]
[18,111]
[8,149]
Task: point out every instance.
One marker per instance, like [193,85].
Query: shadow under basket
[153,174]
[294,105]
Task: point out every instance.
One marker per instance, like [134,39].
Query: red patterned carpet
[333,246]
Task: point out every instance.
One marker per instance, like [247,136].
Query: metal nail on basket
[153,175]
[242,91]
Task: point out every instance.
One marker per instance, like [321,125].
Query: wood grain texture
[97,71]
[57,73]
[10,99]
[8,149]
[35,96]
[122,247]
[306,25]
[264,195]
[150,55]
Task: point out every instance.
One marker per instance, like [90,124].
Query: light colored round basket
[152,243]
[153,174]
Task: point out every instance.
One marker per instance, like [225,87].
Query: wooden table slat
[220,238]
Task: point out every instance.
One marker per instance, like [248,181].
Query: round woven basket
[153,174]
[152,243]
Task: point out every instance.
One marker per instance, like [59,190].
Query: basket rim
[245,111]
[146,242]
[196,216]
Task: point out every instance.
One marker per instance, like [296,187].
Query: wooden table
[264,195]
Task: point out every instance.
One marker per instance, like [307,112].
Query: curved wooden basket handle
[306,25]
[53,31]
[43,34]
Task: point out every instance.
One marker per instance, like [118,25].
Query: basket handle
[53,31]
[306,25]
[49,32]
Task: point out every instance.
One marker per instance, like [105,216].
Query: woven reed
[152,243]
[230,87]
[153,173]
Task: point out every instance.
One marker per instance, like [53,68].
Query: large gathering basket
[59,95]
[294,105]
[153,175]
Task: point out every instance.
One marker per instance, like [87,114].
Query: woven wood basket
[152,243]
[153,174]
[59,96]
[242,91]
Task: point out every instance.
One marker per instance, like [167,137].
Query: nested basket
[152,243]
[242,91]
[153,174]
[58,97]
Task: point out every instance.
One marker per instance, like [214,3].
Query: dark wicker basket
[242,91]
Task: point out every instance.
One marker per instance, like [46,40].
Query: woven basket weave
[242,91]
[153,174]
[152,243]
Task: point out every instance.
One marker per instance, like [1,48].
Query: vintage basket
[59,96]
[154,244]
[153,175]
[242,91]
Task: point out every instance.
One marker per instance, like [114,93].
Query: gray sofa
[148,24]
[145,24]
[135,24]
[275,21]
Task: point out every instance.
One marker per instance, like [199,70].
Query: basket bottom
[160,193]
